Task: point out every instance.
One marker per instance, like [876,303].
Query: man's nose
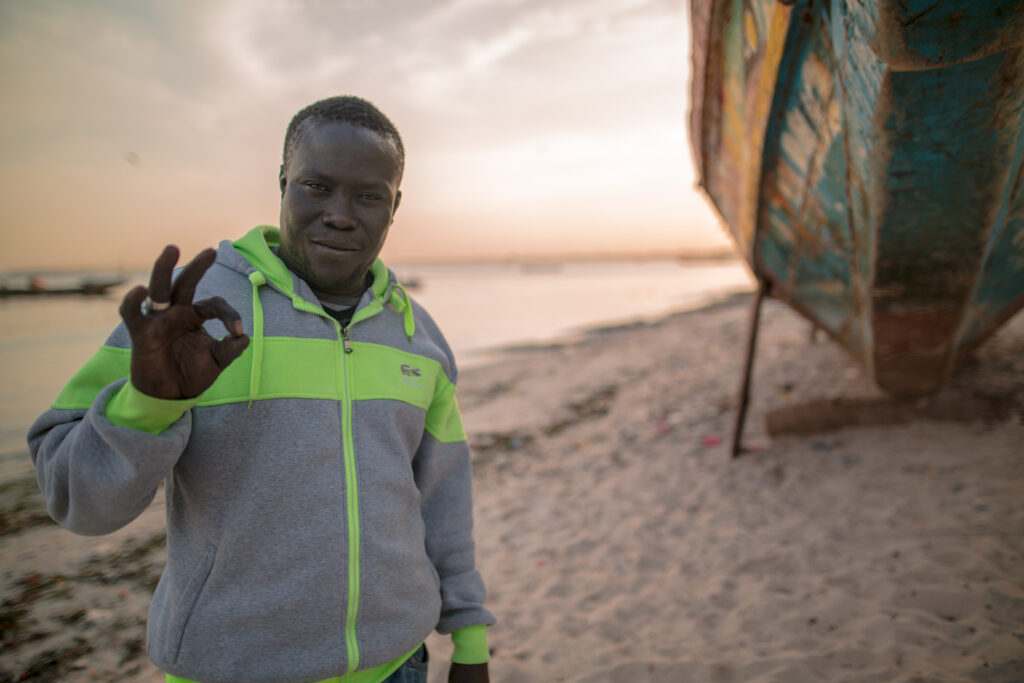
[340,212]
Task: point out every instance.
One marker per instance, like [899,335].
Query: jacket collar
[256,247]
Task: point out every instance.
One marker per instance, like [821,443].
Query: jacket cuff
[129,407]
[471,645]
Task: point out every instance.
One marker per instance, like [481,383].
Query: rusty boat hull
[866,156]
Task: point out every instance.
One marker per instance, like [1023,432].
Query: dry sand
[620,542]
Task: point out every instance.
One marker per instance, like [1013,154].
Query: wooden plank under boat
[866,156]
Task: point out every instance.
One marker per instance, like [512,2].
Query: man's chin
[342,275]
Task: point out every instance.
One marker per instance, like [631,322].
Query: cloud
[530,105]
[482,55]
[258,42]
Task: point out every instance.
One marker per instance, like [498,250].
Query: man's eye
[369,196]
[316,186]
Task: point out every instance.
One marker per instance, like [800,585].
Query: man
[302,415]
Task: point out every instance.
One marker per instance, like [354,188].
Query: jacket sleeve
[444,476]
[103,447]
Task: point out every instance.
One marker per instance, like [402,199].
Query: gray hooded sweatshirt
[319,511]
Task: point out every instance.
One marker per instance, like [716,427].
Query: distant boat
[412,282]
[91,288]
[539,267]
[867,159]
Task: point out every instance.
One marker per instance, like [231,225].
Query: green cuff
[129,407]
[471,645]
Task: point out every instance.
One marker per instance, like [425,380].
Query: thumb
[228,349]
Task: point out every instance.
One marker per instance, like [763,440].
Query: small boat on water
[867,158]
[37,288]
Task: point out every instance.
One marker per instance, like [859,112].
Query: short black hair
[343,109]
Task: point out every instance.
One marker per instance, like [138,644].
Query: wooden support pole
[763,288]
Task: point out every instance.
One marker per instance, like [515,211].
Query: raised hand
[173,357]
[468,673]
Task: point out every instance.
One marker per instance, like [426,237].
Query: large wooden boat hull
[866,156]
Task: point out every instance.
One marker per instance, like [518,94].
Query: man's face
[339,194]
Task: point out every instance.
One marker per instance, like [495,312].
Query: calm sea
[44,340]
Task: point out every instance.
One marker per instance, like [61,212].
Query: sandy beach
[621,543]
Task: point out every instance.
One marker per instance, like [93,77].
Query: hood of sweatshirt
[253,256]
[258,256]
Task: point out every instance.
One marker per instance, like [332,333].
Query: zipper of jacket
[351,484]
[344,339]
[352,499]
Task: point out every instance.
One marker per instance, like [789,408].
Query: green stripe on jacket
[301,368]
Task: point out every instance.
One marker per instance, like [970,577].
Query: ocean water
[480,307]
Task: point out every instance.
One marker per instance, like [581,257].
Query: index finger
[217,307]
[160,278]
[184,288]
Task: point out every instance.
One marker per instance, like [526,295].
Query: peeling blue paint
[889,200]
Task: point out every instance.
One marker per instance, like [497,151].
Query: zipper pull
[344,340]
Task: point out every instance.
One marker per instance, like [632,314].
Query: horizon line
[726,253]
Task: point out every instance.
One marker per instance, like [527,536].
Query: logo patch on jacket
[412,377]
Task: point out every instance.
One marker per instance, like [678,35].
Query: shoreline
[490,355]
[620,542]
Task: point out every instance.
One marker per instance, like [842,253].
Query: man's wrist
[129,407]
[471,645]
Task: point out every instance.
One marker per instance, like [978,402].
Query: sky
[532,127]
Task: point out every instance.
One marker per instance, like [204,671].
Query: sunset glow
[532,127]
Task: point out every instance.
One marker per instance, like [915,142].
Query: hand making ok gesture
[173,357]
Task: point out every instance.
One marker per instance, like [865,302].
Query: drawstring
[403,304]
[257,280]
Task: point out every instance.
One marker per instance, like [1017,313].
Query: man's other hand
[173,357]
[468,673]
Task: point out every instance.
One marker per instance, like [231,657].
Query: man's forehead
[312,137]
[320,128]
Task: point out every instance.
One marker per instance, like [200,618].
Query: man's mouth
[339,247]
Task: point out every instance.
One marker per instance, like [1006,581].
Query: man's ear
[398,200]
[282,179]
